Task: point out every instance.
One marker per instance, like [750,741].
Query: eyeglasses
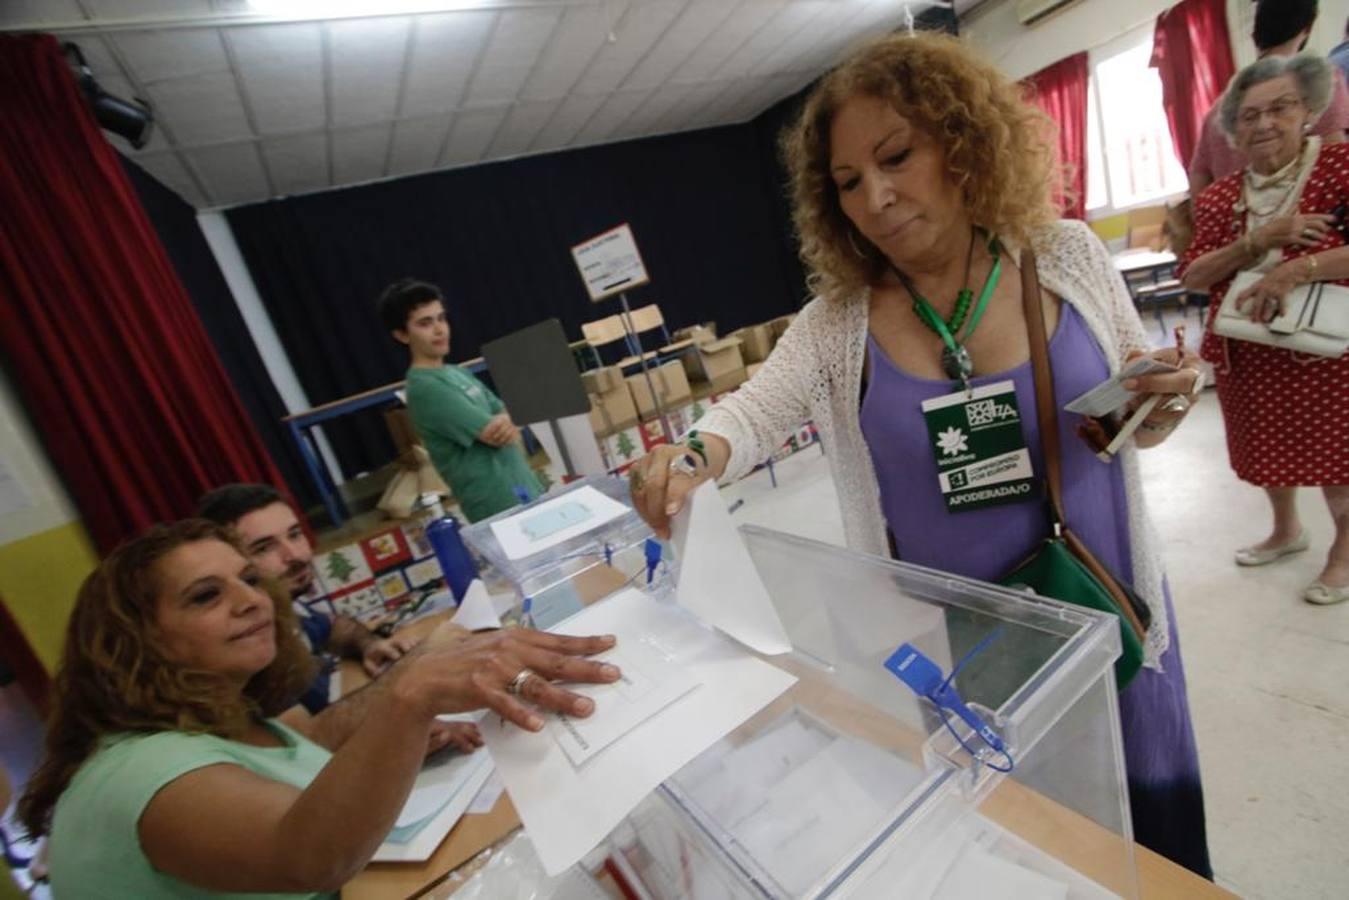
[1279,109]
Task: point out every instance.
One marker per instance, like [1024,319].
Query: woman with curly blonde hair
[165,774]
[919,174]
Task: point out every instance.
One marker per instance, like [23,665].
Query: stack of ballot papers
[446,787]
[684,687]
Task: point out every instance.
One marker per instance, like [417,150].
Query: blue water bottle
[455,561]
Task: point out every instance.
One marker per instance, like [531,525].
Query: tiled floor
[1268,673]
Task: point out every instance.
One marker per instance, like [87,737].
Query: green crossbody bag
[1062,567]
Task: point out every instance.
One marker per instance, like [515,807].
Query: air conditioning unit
[1028,12]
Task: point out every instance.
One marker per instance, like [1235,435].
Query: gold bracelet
[1311,258]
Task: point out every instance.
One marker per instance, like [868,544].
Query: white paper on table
[585,508]
[459,779]
[1110,394]
[717,579]
[476,611]
[488,795]
[568,810]
[650,682]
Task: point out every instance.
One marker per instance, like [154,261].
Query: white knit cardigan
[815,373]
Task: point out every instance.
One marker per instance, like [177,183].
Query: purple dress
[1163,765]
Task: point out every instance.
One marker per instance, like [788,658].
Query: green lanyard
[955,359]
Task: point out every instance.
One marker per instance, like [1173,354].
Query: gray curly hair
[1311,72]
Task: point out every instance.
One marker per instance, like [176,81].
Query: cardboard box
[401,430]
[720,364]
[757,342]
[612,411]
[779,325]
[603,380]
[699,334]
[671,384]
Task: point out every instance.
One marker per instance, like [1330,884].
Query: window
[1130,158]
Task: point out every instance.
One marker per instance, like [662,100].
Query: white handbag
[1316,319]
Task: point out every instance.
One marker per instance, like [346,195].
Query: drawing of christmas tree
[339,567]
[625,445]
[545,479]
[697,410]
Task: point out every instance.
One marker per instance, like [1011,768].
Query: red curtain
[1192,52]
[109,357]
[1061,91]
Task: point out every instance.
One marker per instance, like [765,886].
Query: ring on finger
[1199,381]
[517,684]
[684,465]
[1177,404]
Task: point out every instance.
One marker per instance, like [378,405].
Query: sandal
[1322,594]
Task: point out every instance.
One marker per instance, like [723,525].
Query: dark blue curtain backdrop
[706,208]
[175,222]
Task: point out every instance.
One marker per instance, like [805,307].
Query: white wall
[21,453]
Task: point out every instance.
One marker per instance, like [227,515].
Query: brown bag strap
[1046,408]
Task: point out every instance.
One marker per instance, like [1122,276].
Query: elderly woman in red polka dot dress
[1284,216]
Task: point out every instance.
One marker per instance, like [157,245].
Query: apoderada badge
[980,451]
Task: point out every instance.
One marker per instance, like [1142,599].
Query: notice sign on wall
[610,263]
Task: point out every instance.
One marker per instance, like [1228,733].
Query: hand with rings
[1265,300]
[515,673]
[1183,384]
[1303,230]
[661,480]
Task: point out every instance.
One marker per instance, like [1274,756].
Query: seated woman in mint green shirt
[164,773]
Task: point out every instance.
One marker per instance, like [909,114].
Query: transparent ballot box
[850,785]
[579,558]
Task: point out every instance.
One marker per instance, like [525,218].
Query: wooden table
[1063,833]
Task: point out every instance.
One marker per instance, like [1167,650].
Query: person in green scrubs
[472,441]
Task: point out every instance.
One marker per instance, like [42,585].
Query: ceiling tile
[570,117]
[201,109]
[172,53]
[281,69]
[739,27]
[168,170]
[359,154]
[636,33]
[142,9]
[367,58]
[697,107]
[98,56]
[797,22]
[841,19]
[445,50]
[39,12]
[297,164]
[611,116]
[471,134]
[517,41]
[581,33]
[654,109]
[698,20]
[232,172]
[522,125]
[417,144]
